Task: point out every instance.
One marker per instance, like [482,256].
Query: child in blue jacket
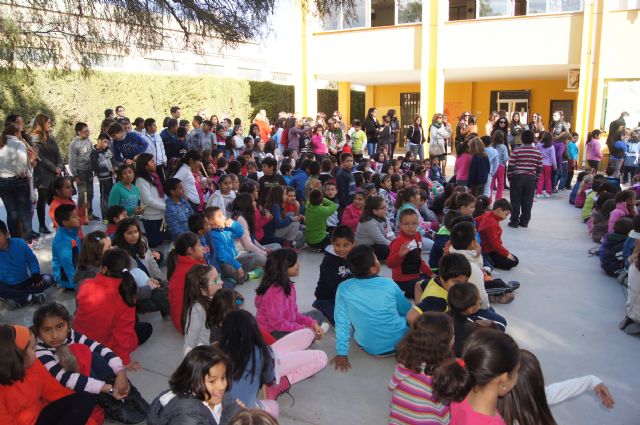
[66,246]
[20,278]
[223,232]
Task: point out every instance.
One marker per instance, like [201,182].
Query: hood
[472,255]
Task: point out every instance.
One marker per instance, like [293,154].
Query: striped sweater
[412,400]
[527,160]
[73,380]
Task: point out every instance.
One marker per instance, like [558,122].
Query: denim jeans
[22,292]
[417,151]
[371,148]
[564,170]
[16,196]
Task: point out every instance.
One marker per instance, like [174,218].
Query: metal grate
[409,108]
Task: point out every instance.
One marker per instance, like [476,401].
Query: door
[409,108]
[565,106]
[510,102]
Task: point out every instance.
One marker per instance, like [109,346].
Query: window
[488,8]
[249,74]
[162,65]
[205,68]
[342,19]
[280,77]
[621,96]
[553,6]
[409,11]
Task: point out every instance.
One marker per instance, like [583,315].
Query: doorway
[409,108]
[565,106]
[508,102]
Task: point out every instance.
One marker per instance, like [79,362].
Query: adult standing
[559,125]
[516,127]
[447,143]
[615,126]
[437,138]
[15,188]
[462,129]
[488,127]
[617,149]
[49,166]
[536,125]
[395,130]
[337,115]
[371,126]
[263,125]
[293,139]
[416,138]
[525,166]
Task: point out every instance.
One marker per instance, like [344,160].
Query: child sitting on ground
[125,193]
[491,235]
[464,305]
[405,259]
[200,225]
[291,205]
[317,213]
[66,246]
[420,352]
[631,322]
[115,214]
[178,209]
[630,242]
[201,284]
[615,181]
[331,193]
[276,300]
[373,305]
[432,296]
[610,253]
[463,241]
[583,189]
[599,220]
[576,187]
[625,207]
[333,271]
[20,278]
[592,195]
[351,214]
[223,232]
[372,228]
[441,238]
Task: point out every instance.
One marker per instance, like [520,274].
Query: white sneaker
[325,326]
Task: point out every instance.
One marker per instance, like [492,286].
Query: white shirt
[14,161]
[185,175]
[561,391]
[156,147]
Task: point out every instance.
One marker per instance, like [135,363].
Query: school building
[535,56]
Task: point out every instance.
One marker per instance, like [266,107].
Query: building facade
[480,56]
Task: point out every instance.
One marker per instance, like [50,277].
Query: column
[369,100]
[590,85]
[431,72]
[344,102]
[306,96]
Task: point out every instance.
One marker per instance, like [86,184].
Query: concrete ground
[566,312]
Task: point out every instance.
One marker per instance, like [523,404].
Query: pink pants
[498,179]
[293,360]
[545,180]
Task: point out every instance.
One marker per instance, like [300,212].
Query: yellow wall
[475,97]
[387,97]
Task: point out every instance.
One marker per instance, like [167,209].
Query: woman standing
[49,166]
[462,129]
[415,138]
[437,138]
[536,125]
[395,130]
[447,143]
[384,141]
[559,125]
[516,127]
[371,128]
[15,187]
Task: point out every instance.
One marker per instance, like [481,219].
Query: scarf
[156,180]
[436,124]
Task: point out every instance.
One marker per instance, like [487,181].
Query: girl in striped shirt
[423,348]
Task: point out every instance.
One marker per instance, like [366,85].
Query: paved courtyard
[566,312]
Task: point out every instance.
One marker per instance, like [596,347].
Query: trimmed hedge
[328,102]
[271,97]
[70,98]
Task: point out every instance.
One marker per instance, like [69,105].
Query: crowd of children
[238,209]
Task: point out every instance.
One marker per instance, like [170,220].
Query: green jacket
[127,198]
[315,220]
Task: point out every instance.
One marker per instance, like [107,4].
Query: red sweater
[491,234]
[351,216]
[394,261]
[103,316]
[176,288]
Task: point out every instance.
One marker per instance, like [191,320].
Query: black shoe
[513,224]
[523,224]
[513,284]
[44,230]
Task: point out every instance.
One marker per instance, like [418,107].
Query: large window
[343,19]
[495,8]
[553,6]
[621,96]
[409,11]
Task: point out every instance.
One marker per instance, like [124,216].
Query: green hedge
[273,98]
[70,98]
[328,102]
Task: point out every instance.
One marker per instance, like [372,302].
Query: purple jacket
[560,148]
[548,155]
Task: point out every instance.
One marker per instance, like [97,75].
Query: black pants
[143,331]
[503,263]
[594,164]
[523,188]
[85,185]
[16,196]
[43,194]
[628,173]
[105,189]
[22,292]
[74,409]
[381,251]
[392,148]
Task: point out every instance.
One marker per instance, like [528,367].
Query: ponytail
[116,261]
[487,354]
[180,247]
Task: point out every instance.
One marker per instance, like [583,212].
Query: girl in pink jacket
[277,308]
[625,207]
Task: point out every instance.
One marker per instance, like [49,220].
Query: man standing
[525,165]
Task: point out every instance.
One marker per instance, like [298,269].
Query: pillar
[431,72]
[306,96]
[344,102]
[590,84]
[369,100]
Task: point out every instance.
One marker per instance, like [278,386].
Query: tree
[62,34]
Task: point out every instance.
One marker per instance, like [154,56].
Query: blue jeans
[417,150]
[16,196]
[491,314]
[563,174]
[371,148]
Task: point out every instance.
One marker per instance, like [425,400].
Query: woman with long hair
[371,128]
[395,130]
[416,138]
[50,164]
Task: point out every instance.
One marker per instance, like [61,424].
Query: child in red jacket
[106,308]
[491,235]
[405,261]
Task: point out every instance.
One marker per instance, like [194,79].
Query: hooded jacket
[80,156]
[610,253]
[333,271]
[170,409]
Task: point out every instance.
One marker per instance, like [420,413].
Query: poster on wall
[621,95]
